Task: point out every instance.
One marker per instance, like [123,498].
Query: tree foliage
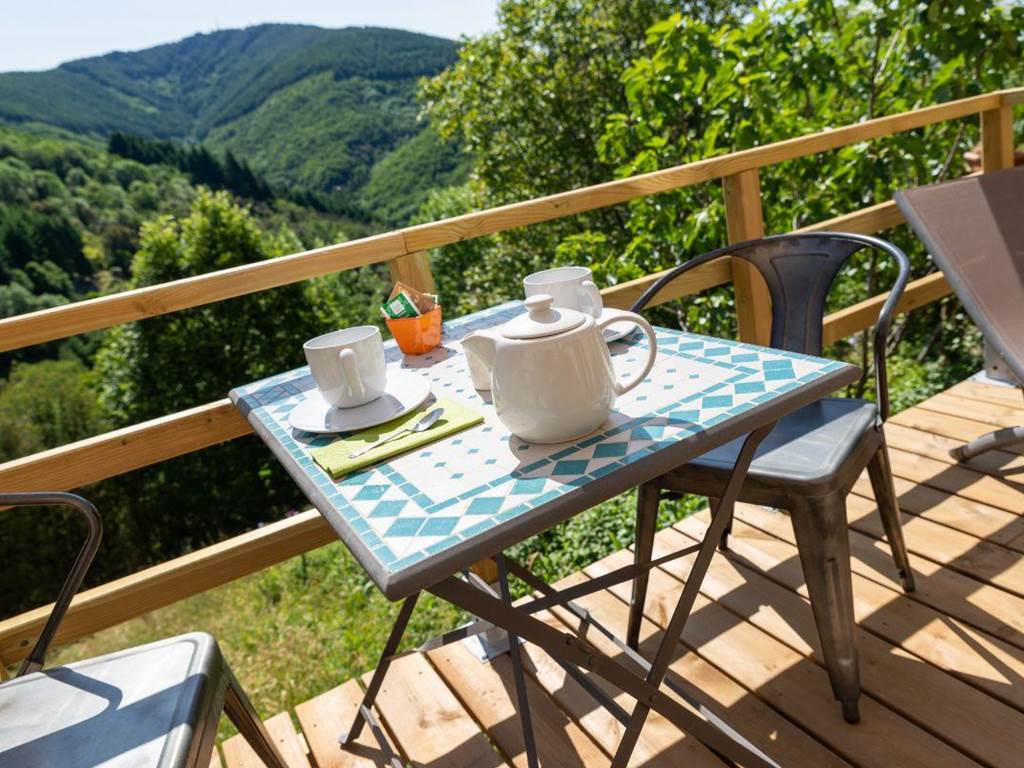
[568,93]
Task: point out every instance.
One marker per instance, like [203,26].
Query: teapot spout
[480,347]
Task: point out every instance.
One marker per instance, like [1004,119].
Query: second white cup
[570,287]
[348,365]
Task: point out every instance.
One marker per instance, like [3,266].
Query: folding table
[419,520]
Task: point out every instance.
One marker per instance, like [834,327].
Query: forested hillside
[78,221]
[305,106]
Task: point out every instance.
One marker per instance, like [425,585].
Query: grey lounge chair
[156,705]
[810,461]
[974,230]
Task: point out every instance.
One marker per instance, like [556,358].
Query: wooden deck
[942,669]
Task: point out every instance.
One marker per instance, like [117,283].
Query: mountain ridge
[306,106]
[173,75]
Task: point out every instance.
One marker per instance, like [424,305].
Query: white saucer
[616,331]
[406,391]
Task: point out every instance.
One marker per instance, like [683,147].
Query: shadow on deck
[942,669]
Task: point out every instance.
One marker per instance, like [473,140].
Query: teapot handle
[652,347]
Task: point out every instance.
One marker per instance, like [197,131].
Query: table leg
[515,654]
[386,656]
[648,499]
[719,522]
[573,650]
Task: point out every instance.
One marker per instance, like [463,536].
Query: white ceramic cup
[348,365]
[570,287]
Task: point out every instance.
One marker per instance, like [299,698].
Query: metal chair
[155,705]
[810,461]
[974,230]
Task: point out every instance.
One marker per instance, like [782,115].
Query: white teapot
[549,371]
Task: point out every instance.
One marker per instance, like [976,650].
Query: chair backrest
[974,230]
[37,656]
[800,271]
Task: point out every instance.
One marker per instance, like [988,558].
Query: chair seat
[141,707]
[812,452]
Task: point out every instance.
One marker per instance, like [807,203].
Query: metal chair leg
[1006,438]
[390,647]
[648,500]
[823,541]
[241,712]
[880,473]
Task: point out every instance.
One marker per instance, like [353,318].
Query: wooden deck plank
[324,718]
[784,741]
[791,682]
[971,517]
[238,753]
[943,668]
[215,759]
[989,609]
[977,558]
[958,479]
[959,427]
[937,446]
[661,744]
[972,721]
[487,690]
[994,414]
[426,720]
[976,657]
[989,393]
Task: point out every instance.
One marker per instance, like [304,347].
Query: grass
[310,623]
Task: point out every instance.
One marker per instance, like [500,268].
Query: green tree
[529,103]
[47,404]
[42,405]
[178,361]
[702,90]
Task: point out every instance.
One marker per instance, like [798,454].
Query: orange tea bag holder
[417,335]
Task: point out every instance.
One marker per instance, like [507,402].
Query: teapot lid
[542,319]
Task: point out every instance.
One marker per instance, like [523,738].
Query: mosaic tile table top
[424,515]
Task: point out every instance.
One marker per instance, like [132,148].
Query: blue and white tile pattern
[423,502]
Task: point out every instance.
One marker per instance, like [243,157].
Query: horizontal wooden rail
[80,317]
[850,320]
[169,582]
[123,450]
[150,301]
[866,221]
[709,275]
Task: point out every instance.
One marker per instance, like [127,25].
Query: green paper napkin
[334,458]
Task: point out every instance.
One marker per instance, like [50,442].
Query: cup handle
[355,382]
[592,298]
[652,346]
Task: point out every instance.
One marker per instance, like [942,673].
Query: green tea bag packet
[400,305]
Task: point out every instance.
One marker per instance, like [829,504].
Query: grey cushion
[811,451]
[146,706]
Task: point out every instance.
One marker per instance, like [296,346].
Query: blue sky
[39,34]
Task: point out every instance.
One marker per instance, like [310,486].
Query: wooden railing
[405,252]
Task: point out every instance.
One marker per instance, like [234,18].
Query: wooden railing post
[997,139]
[745,221]
[413,269]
